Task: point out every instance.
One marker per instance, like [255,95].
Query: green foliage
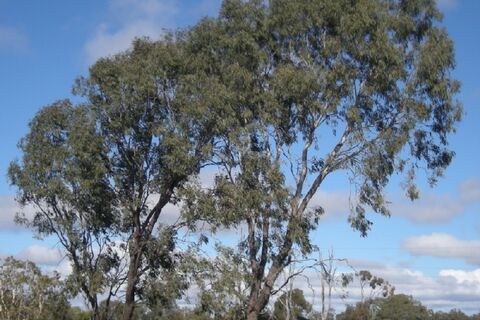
[398,307]
[318,87]
[63,175]
[359,312]
[278,95]
[452,315]
[402,307]
[221,283]
[291,305]
[377,285]
[75,313]
[100,173]
[28,294]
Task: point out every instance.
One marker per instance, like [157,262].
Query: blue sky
[429,248]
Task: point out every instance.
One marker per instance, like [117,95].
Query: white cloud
[439,292]
[41,255]
[430,209]
[462,276]
[170,214]
[443,246]
[470,190]
[12,39]
[335,204]
[8,209]
[207,177]
[128,19]
[64,268]
[439,208]
[444,291]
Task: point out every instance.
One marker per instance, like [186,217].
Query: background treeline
[28,294]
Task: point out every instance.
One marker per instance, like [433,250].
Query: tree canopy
[398,306]
[362,87]
[101,173]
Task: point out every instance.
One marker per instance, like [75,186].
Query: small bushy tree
[100,174]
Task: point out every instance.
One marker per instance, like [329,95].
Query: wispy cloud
[439,208]
[12,39]
[128,19]
[447,4]
[470,190]
[443,245]
[41,255]
[335,204]
[429,209]
[8,209]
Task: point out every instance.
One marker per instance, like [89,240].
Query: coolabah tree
[101,173]
[319,87]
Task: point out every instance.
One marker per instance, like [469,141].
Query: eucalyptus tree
[292,305]
[100,174]
[319,87]
[401,306]
[28,294]
[62,176]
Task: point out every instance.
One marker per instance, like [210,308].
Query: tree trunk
[252,315]
[92,299]
[254,303]
[262,287]
[260,295]
[136,249]
[132,278]
[130,291]
[129,303]
[95,314]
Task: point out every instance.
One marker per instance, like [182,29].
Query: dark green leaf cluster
[399,306]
